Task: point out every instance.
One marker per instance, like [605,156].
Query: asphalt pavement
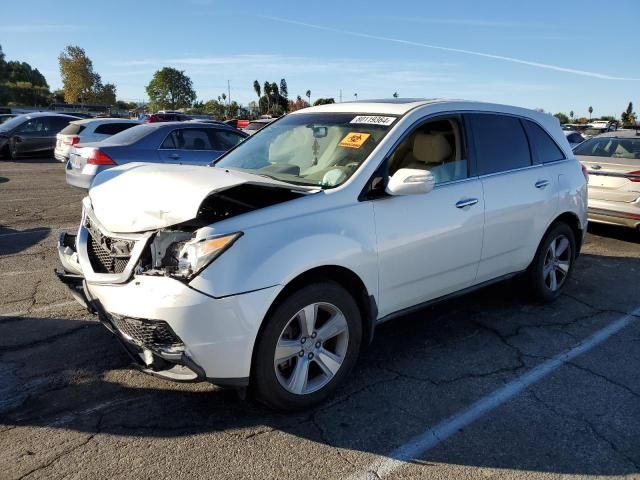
[485,386]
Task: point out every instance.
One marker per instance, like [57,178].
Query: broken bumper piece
[152,344]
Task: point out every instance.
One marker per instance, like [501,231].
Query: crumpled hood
[138,197]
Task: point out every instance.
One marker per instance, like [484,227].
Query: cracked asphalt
[71,407]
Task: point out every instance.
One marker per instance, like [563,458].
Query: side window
[222,140]
[543,148]
[34,126]
[170,142]
[436,146]
[58,123]
[194,139]
[500,143]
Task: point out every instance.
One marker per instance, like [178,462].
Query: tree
[3,67]
[266,89]
[323,101]
[571,115]
[256,88]
[103,94]
[395,94]
[170,89]
[628,116]
[562,117]
[78,77]
[297,104]
[308,95]
[284,90]
[590,111]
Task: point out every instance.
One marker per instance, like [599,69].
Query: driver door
[429,245]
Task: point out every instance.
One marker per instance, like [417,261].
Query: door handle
[542,183]
[467,202]
[175,156]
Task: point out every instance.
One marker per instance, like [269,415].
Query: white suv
[273,266]
[88,130]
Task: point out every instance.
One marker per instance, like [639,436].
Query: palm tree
[590,112]
[308,95]
[395,94]
[571,115]
[266,89]
[256,88]
[356,96]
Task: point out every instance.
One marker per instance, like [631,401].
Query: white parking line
[432,437]
[52,306]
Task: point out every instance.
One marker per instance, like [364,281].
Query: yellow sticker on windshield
[354,140]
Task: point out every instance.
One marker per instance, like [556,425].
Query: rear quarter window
[543,148]
[72,129]
[500,142]
[113,128]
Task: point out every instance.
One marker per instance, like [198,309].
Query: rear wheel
[553,263]
[308,346]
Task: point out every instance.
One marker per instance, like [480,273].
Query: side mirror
[410,181]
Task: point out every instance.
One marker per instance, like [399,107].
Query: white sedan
[274,266]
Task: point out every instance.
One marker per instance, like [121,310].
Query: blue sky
[556,55]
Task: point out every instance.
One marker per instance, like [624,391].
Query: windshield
[315,149]
[610,147]
[12,123]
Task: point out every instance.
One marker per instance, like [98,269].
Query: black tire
[538,279]
[265,384]
[11,148]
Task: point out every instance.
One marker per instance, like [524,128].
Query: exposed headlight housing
[196,254]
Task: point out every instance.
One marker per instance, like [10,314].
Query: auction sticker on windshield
[373,120]
[354,140]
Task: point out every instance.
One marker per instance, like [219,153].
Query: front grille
[151,334]
[106,254]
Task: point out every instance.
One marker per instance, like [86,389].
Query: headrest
[431,148]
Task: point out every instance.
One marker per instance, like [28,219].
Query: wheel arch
[347,279]
[572,220]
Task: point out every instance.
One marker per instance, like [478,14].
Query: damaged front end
[97,257]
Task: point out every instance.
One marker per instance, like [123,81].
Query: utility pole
[340,95]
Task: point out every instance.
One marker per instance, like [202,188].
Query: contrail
[556,68]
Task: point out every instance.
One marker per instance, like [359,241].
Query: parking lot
[447,392]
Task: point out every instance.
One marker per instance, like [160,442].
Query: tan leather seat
[429,152]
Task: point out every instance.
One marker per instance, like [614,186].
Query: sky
[556,55]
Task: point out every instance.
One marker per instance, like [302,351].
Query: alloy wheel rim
[311,348]
[557,263]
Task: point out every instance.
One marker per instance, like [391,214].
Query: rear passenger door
[519,193]
[190,146]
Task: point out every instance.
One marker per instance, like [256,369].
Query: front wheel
[309,344]
[553,263]
[13,150]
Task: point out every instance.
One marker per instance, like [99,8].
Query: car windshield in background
[315,149]
[12,123]
[613,147]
